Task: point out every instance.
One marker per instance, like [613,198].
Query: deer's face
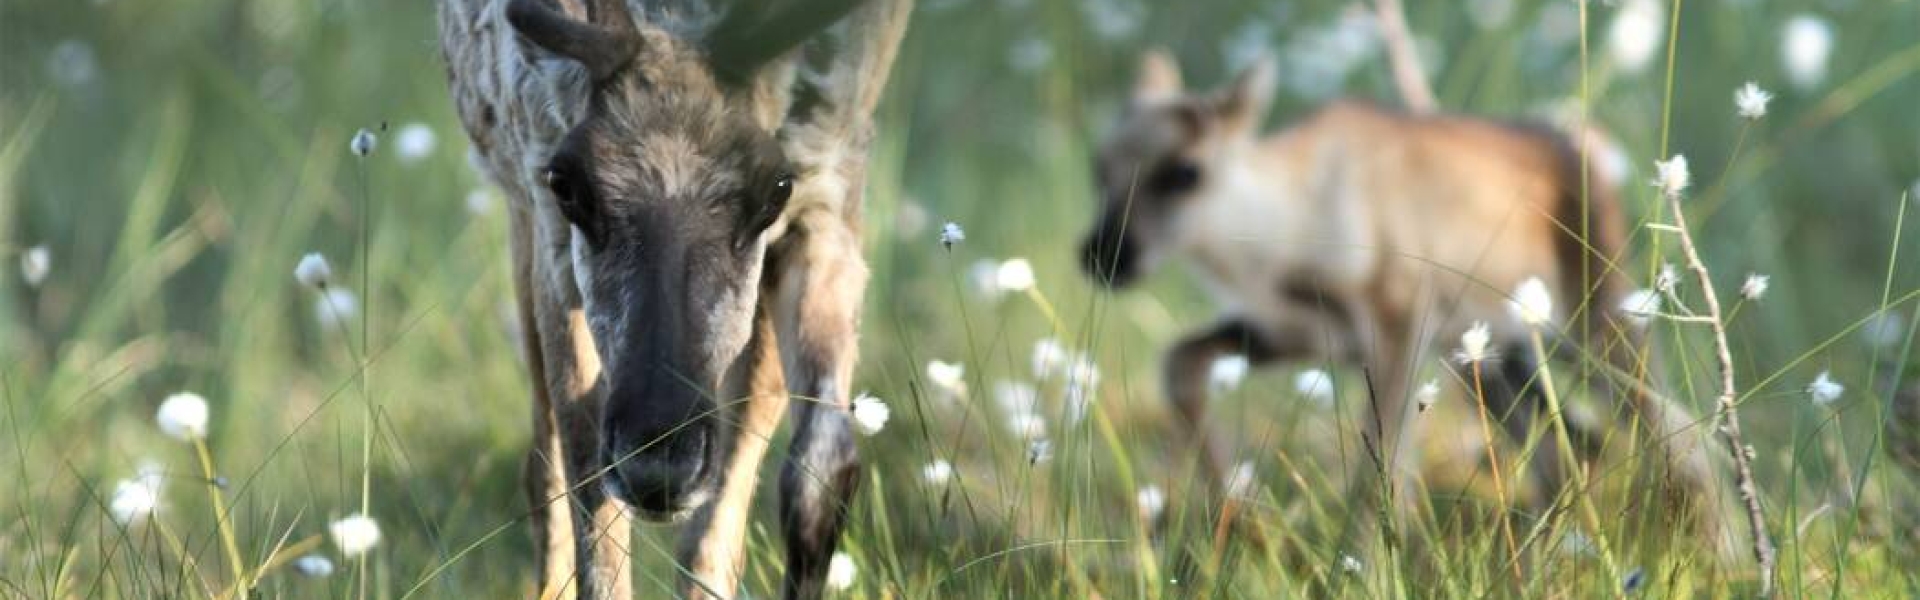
[671,182]
[1167,155]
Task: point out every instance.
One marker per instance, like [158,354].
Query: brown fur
[665,126]
[1363,235]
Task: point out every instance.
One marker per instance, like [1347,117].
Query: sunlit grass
[177,195]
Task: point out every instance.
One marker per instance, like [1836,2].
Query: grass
[179,183]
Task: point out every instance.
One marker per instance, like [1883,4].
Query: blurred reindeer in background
[1361,235]
[686,191]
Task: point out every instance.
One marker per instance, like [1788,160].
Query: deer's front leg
[820,289]
[571,370]
[1188,367]
[713,546]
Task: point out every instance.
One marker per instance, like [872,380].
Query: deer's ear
[1243,105]
[1159,78]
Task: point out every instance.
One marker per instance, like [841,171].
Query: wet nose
[1108,257]
[662,471]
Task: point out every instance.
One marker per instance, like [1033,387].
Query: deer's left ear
[1243,105]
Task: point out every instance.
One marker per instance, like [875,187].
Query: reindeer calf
[685,246]
[1359,235]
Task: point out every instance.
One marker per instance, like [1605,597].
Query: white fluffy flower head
[35,264]
[938,472]
[1015,275]
[1315,385]
[1634,37]
[1671,175]
[183,416]
[134,500]
[948,379]
[1805,45]
[951,234]
[1755,287]
[1532,302]
[1641,305]
[413,142]
[1227,372]
[355,535]
[1152,501]
[335,307]
[1667,280]
[1824,390]
[1750,101]
[841,572]
[870,414]
[1039,451]
[1049,356]
[1473,344]
[1428,393]
[313,565]
[363,143]
[313,271]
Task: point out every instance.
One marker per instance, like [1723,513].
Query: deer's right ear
[604,47]
[1159,78]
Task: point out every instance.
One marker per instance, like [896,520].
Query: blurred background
[164,165]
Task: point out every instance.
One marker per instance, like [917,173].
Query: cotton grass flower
[1428,393]
[1049,357]
[413,143]
[1151,501]
[1027,425]
[480,202]
[869,414]
[1755,287]
[1532,302]
[1241,480]
[949,380]
[1750,101]
[1667,280]
[1884,330]
[35,264]
[984,275]
[1824,390]
[183,416]
[1227,372]
[1315,385]
[1350,565]
[1039,451]
[313,271]
[363,143]
[841,572]
[335,307]
[313,565]
[951,234]
[1473,344]
[1640,305]
[1015,397]
[133,500]
[1671,175]
[355,535]
[1015,275]
[1806,42]
[1634,37]
[937,473]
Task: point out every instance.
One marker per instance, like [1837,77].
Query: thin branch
[1403,57]
[1763,551]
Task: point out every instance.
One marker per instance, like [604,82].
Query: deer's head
[1171,151]
[671,180]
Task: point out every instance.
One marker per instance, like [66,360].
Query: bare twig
[1403,58]
[1763,552]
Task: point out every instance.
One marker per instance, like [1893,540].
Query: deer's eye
[574,199]
[1175,176]
[776,201]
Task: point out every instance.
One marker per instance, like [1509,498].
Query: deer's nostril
[661,477]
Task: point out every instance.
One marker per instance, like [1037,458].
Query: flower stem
[222,520]
[1499,479]
[1582,492]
